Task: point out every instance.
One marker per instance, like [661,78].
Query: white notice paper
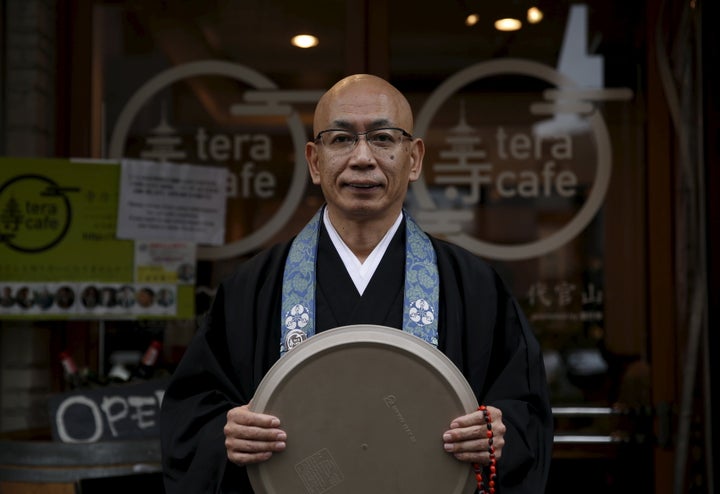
[172,202]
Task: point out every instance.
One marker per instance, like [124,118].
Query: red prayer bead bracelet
[492,467]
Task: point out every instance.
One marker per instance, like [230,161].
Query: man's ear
[417,153]
[311,156]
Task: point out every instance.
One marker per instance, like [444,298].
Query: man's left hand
[467,439]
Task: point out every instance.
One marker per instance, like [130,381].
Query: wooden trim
[73,121]
[711,123]
[356,56]
[378,38]
[661,276]
[368,37]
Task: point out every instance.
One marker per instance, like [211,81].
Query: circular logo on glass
[520,160]
[35,213]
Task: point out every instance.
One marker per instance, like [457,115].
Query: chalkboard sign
[110,413]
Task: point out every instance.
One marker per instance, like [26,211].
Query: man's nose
[362,153]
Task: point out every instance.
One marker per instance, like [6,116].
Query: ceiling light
[534,15]
[508,24]
[472,19]
[304,41]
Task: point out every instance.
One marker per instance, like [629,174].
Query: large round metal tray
[364,408]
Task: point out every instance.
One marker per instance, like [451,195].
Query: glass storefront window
[530,133]
[535,157]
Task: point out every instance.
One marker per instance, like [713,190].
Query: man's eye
[342,138]
[382,138]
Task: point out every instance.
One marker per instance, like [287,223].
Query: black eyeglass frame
[358,134]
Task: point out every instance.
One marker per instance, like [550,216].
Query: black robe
[481,329]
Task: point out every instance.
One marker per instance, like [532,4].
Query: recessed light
[304,41]
[534,15]
[508,24]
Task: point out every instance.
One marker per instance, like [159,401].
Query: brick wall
[29,54]
[28,103]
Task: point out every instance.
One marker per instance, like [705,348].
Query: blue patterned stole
[422,286]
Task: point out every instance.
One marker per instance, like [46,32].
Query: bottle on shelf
[72,376]
[148,363]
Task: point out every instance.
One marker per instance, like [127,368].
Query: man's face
[365,183]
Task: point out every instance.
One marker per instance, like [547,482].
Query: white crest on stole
[421,312]
[297,317]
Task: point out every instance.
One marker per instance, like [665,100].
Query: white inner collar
[360,272]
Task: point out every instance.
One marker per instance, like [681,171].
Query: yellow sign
[58,245]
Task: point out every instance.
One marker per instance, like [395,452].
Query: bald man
[363,157]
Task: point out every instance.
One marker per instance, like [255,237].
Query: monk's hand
[467,439]
[252,437]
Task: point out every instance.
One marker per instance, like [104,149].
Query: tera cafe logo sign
[513,159]
[35,213]
[516,163]
[260,173]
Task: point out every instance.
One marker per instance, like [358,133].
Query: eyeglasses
[381,141]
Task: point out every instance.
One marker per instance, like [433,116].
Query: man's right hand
[252,437]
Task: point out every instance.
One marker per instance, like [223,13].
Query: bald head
[362,97]
[364,185]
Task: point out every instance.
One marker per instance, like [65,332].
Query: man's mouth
[362,186]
